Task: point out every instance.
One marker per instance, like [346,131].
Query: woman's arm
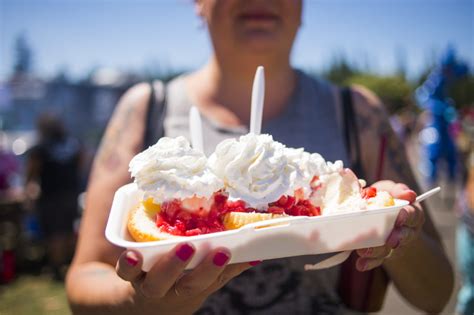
[419,268]
[91,278]
[93,285]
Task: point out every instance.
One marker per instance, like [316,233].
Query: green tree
[462,92]
[395,91]
[340,71]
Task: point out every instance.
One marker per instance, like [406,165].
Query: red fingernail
[132,261]
[220,259]
[184,252]
[255,263]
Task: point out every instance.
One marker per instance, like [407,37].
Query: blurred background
[65,63]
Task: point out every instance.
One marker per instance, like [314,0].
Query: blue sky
[134,34]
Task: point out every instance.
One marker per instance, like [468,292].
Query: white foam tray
[286,237]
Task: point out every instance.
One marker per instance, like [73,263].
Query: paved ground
[445,220]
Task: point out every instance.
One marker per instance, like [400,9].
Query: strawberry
[369,192]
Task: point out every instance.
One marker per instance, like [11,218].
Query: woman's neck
[226,88]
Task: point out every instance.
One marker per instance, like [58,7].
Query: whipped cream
[338,192]
[172,169]
[309,165]
[254,168]
[381,200]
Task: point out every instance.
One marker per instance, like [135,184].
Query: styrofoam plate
[277,238]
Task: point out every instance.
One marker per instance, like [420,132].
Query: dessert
[245,180]
[176,187]
[274,180]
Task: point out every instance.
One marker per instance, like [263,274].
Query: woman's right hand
[167,288]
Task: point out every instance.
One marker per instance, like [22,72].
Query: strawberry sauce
[176,220]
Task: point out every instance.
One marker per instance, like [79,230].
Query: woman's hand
[407,227]
[167,288]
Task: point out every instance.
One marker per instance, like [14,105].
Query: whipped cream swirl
[309,165]
[172,169]
[254,168]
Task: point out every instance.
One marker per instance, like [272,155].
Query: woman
[299,111]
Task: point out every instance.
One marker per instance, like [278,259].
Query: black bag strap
[360,291]
[155,116]
[351,132]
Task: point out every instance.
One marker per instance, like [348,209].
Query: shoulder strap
[361,291]
[154,128]
[351,131]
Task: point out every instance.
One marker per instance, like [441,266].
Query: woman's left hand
[407,227]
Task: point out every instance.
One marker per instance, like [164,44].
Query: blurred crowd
[39,202]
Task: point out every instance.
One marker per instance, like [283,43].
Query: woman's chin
[260,43]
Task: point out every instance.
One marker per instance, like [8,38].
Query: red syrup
[176,220]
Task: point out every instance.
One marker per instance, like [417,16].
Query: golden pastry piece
[141,224]
[389,202]
[151,207]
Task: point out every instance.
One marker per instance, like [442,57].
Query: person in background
[9,169]
[299,111]
[11,197]
[436,137]
[465,229]
[52,179]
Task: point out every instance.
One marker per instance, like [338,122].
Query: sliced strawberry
[276,210]
[369,192]
[220,198]
[180,225]
[193,232]
[314,183]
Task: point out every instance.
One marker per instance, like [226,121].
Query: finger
[385,185]
[230,272]
[374,252]
[402,217]
[411,216]
[164,273]
[416,217]
[401,191]
[129,266]
[365,264]
[401,186]
[400,236]
[205,274]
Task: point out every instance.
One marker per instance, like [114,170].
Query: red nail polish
[131,260]
[255,263]
[184,252]
[220,259]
